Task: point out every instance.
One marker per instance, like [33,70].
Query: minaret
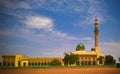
[96,32]
[97,49]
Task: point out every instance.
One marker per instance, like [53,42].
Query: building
[42,61]
[19,60]
[12,60]
[95,56]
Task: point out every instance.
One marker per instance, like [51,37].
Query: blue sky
[53,27]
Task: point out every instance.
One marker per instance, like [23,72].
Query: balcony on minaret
[96,29]
[96,23]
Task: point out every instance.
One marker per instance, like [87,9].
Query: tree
[55,62]
[109,60]
[70,59]
[66,59]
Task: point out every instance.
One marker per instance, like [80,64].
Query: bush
[55,62]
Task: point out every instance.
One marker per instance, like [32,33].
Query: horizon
[51,28]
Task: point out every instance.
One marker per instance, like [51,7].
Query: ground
[62,70]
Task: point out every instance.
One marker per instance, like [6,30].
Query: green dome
[80,47]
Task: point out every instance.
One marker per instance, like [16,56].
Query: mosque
[94,57]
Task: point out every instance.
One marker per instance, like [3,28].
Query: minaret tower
[97,49]
[96,32]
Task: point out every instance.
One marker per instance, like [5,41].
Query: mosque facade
[94,57]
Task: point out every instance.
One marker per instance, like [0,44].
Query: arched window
[89,62]
[45,63]
[42,63]
[4,63]
[0,63]
[24,64]
[39,63]
[94,63]
[29,64]
[32,63]
[82,62]
[8,64]
[85,62]
[13,64]
[18,63]
[35,63]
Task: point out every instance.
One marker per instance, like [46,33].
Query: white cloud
[24,5]
[7,4]
[47,25]
[15,4]
[96,9]
[64,35]
[60,6]
[44,23]
[39,22]
[91,8]
[12,7]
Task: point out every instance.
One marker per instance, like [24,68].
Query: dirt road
[61,71]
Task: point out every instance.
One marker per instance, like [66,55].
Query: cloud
[90,9]
[13,7]
[47,25]
[10,4]
[95,9]
[24,5]
[7,4]
[39,22]
[64,35]
[61,6]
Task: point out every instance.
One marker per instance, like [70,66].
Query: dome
[96,19]
[92,49]
[80,47]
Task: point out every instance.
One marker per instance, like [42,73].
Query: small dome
[96,19]
[80,47]
[92,49]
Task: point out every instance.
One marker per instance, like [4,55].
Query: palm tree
[70,59]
